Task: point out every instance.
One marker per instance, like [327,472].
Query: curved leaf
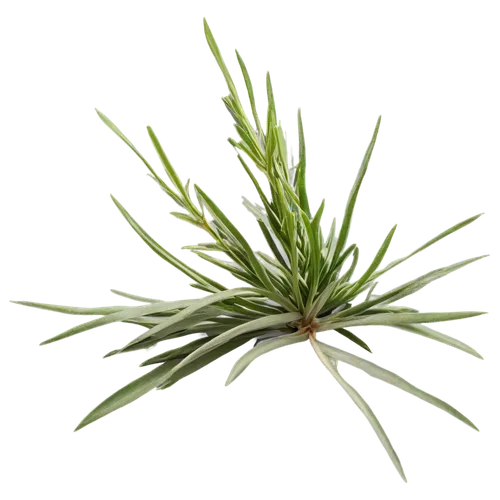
[410,287]
[437,238]
[331,366]
[129,393]
[261,349]
[393,379]
[251,326]
[425,331]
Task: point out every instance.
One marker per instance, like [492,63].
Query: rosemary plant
[303,287]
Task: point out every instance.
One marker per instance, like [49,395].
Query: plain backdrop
[61,240]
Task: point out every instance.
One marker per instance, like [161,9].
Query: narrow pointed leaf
[261,349]
[351,202]
[301,169]
[179,352]
[331,366]
[219,215]
[205,359]
[90,311]
[159,250]
[122,136]
[274,321]
[410,287]
[425,331]
[129,393]
[170,326]
[392,319]
[169,169]
[354,338]
[437,238]
[251,96]
[393,379]
[129,313]
[375,263]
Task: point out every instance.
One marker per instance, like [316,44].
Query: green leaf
[391,319]
[219,216]
[271,112]
[169,169]
[393,379]
[389,309]
[251,96]
[331,366]
[170,304]
[315,256]
[129,313]
[439,237]
[354,338]
[186,218]
[425,331]
[211,329]
[264,323]
[315,224]
[348,274]
[129,393]
[90,311]
[218,57]
[375,263]
[281,141]
[328,251]
[179,352]
[248,149]
[274,245]
[256,210]
[410,287]
[168,327]
[159,250]
[263,348]
[122,136]
[233,268]
[294,259]
[134,297]
[248,138]
[301,169]
[205,359]
[351,202]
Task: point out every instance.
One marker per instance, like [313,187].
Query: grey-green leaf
[410,287]
[391,319]
[263,348]
[274,321]
[425,331]
[331,366]
[129,393]
[437,238]
[391,378]
[351,202]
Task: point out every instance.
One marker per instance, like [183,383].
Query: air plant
[304,287]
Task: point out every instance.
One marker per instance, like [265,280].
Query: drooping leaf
[393,379]
[261,349]
[331,366]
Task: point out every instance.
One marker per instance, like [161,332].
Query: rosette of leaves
[303,285]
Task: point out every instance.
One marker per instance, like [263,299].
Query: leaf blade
[270,345]
[362,405]
[251,326]
[391,378]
